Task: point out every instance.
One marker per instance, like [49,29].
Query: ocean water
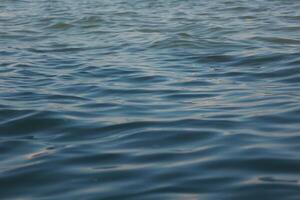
[149,100]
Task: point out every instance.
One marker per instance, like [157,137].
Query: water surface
[149,100]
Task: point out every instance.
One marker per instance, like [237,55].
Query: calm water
[149,100]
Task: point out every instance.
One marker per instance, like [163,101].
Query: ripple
[149,99]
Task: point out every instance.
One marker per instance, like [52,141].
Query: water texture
[149,100]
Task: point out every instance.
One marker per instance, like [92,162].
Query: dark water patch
[193,83]
[262,165]
[30,123]
[265,191]
[90,21]
[292,80]
[189,96]
[56,50]
[61,26]
[278,40]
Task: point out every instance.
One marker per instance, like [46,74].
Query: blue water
[149,100]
